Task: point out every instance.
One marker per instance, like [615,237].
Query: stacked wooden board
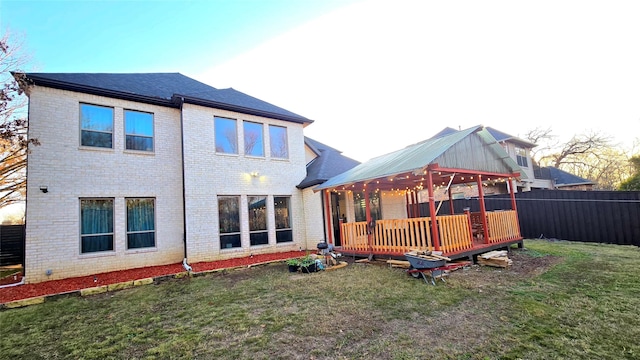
[427,255]
[495,259]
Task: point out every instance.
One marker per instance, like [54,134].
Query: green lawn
[559,300]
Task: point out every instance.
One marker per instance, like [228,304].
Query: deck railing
[503,226]
[403,235]
[455,233]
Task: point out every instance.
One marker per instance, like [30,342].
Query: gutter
[184,191]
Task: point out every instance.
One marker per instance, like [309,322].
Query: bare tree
[14,142]
[251,139]
[544,140]
[590,155]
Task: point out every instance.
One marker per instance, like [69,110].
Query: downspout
[185,265]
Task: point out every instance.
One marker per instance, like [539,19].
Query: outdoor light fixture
[44,189]
[254,174]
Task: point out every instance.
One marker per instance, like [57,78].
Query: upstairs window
[141,223]
[229,221]
[96,225]
[253,139]
[96,126]
[226,135]
[278,141]
[139,130]
[521,157]
[283,219]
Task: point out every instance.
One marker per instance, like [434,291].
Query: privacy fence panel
[592,216]
[11,245]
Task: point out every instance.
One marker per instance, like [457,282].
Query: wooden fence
[611,217]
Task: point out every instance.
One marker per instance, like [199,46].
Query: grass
[559,300]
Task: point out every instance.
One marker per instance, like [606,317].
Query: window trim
[266,219]
[286,129]
[215,136]
[522,160]
[113,115]
[290,228]
[126,226]
[113,227]
[239,232]
[153,131]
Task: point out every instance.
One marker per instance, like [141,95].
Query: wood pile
[428,255]
[495,259]
[399,264]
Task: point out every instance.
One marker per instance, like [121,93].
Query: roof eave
[241,109]
[62,85]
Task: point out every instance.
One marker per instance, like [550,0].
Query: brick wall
[210,174]
[71,172]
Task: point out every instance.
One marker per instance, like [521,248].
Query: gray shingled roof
[561,178]
[330,162]
[163,89]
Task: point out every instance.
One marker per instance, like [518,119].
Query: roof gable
[330,162]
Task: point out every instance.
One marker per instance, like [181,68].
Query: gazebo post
[451,210]
[416,208]
[367,208]
[483,211]
[512,193]
[432,212]
[327,204]
[408,199]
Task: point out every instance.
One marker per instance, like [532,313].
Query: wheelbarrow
[429,270]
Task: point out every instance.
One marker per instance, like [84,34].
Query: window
[521,156]
[278,142]
[226,135]
[96,126]
[360,206]
[138,130]
[258,220]
[141,223]
[96,225]
[229,221]
[283,219]
[253,143]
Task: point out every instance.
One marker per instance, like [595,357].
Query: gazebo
[393,182]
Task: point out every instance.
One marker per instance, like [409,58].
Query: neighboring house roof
[502,136]
[561,178]
[330,162]
[497,134]
[165,89]
[473,149]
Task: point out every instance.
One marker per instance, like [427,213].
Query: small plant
[293,262]
[308,264]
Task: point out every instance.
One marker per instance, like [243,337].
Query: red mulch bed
[52,287]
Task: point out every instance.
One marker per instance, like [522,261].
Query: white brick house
[136,170]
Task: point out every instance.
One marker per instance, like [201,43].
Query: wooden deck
[460,236]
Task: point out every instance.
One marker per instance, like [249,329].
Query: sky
[375,76]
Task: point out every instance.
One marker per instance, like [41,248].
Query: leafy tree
[632,183]
[14,142]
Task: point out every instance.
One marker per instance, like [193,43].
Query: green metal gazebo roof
[471,150]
